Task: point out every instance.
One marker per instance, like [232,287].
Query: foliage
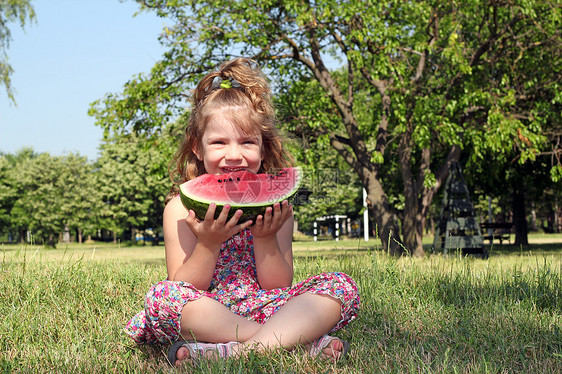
[327,191]
[306,111]
[519,189]
[330,187]
[78,194]
[11,11]
[11,190]
[45,194]
[436,78]
[132,182]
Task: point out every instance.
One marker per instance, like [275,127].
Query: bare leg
[299,322]
[302,320]
[207,320]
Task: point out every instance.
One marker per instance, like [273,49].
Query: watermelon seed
[230,179]
[220,180]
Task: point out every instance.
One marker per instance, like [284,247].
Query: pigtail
[246,76]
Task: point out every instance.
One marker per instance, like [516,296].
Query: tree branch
[494,36]
[345,108]
[440,177]
[382,133]
[347,155]
[425,167]
[339,143]
[339,41]
[433,24]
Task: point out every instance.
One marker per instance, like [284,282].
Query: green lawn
[63,310]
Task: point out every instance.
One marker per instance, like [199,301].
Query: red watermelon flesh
[242,189]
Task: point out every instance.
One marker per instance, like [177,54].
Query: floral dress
[234,285]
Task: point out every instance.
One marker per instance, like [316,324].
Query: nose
[233,153]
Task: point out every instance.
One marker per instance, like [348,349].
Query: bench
[500,231]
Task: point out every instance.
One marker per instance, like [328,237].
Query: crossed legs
[207,320]
[299,322]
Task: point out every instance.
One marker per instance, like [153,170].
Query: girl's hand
[212,233]
[269,224]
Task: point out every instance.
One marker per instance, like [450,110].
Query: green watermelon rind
[250,210]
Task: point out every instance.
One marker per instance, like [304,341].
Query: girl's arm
[192,246]
[273,250]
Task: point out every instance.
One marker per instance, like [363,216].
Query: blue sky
[75,53]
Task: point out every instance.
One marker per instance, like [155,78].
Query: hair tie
[226,84]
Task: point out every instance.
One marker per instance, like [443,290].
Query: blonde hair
[246,101]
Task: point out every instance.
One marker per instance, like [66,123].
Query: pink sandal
[198,351]
[323,342]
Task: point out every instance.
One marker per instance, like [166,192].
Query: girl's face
[225,148]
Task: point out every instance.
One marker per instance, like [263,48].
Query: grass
[63,311]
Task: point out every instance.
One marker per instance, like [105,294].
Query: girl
[229,283]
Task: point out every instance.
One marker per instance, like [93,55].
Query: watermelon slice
[242,189]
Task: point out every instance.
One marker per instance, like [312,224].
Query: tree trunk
[22,236]
[412,226]
[412,230]
[80,235]
[413,223]
[534,225]
[50,242]
[519,216]
[384,217]
[557,220]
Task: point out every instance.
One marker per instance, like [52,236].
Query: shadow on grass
[333,253]
[541,291]
[446,321]
[512,249]
[542,248]
[456,339]
[152,262]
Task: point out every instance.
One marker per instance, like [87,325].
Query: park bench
[499,230]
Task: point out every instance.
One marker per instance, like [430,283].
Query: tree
[38,207]
[132,182]
[439,77]
[516,186]
[44,194]
[11,190]
[330,186]
[56,197]
[78,194]
[11,11]
[528,67]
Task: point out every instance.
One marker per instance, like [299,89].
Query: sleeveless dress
[234,285]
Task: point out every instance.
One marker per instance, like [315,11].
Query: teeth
[230,170]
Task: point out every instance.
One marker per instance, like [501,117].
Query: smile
[230,170]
